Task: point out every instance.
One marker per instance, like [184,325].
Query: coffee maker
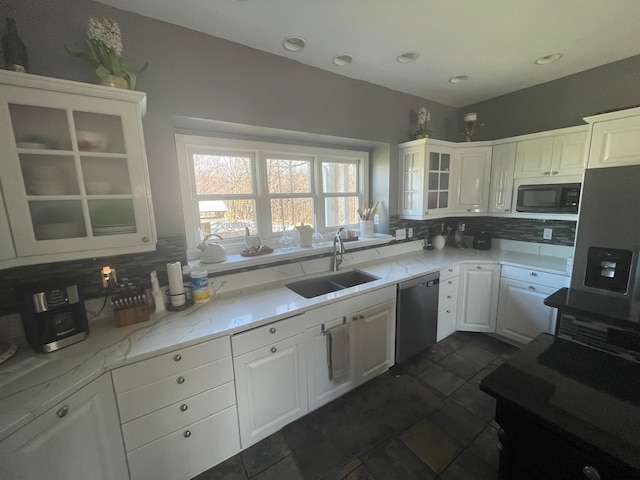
[457,235]
[53,315]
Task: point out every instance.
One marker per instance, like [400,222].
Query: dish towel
[338,353]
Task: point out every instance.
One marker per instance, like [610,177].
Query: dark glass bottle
[15,53]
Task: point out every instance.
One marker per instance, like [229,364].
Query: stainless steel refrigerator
[608,233]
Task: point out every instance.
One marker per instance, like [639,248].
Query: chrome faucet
[338,248]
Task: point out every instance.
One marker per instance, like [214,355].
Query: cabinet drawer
[188,451]
[446,322]
[162,422]
[450,271]
[535,276]
[148,371]
[153,396]
[449,285]
[263,336]
[447,299]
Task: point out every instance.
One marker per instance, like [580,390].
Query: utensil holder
[366,229]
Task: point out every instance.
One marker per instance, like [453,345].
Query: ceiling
[494,42]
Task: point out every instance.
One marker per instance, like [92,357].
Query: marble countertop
[598,406]
[31,383]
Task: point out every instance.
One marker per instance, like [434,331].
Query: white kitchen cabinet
[478,297]
[548,156]
[472,179]
[271,380]
[503,163]
[74,171]
[375,332]
[322,389]
[178,411]
[448,301]
[522,314]
[78,439]
[426,178]
[615,139]
[6,242]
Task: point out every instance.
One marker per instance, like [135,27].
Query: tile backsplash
[135,267]
[520,229]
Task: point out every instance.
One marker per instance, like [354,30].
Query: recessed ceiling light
[342,59]
[459,79]
[293,43]
[548,59]
[408,57]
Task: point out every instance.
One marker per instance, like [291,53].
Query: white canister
[200,286]
[366,229]
[439,242]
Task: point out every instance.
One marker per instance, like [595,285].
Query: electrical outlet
[401,234]
[376,219]
[547,233]
[409,232]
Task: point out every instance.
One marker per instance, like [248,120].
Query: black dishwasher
[416,315]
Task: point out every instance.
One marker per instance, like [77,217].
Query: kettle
[211,251]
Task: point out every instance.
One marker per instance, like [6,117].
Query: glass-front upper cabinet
[425,178]
[74,172]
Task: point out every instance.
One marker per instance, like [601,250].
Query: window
[231,187]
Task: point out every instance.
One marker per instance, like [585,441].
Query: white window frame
[186,145]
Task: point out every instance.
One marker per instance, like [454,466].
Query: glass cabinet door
[438,179]
[76,175]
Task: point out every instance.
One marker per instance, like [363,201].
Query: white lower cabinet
[371,343]
[271,378]
[448,301]
[478,297]
[522,314]
[78,439]
[178,411]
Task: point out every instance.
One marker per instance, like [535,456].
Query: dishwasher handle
[426,281]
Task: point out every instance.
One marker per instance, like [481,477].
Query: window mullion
[263,204]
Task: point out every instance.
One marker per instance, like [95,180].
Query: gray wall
[561,103]
[194,75]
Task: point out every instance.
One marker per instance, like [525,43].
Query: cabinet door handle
[355,317]
[449,297]
[533,274]
[546,173]
[187,433]
[62,412]
[554,172]
[451,269]
[507,210]
[531,287]
[274,349]
[450,282]
[591,473]
[448,311]
[468,209]
[272,330]
[145,239]
[180,380]
[184,407]
[361,316]
[177,357]
[478,267]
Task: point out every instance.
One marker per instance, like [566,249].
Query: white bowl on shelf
[90,141]
[98,188]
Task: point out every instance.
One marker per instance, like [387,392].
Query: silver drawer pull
[546,173]
[450,282]
[531,287]
[63,411]
[274,349]
[555,172]
[187,433]
[180,380]
[145,239]
[177,357]
[478,267]
[451,269]
[361,316]
[591,473]
[449,297]
[448,311]
[533,274]
[272,330]
[355,317]
[507,210]
[184,407]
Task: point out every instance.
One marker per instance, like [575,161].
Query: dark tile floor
[424,419]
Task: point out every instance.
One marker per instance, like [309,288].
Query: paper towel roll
[176,285]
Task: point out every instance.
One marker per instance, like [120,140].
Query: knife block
[132,315]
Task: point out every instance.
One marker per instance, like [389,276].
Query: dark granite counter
[587,398]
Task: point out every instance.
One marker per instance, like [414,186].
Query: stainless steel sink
[314,287]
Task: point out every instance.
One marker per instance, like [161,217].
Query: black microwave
[549,198]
